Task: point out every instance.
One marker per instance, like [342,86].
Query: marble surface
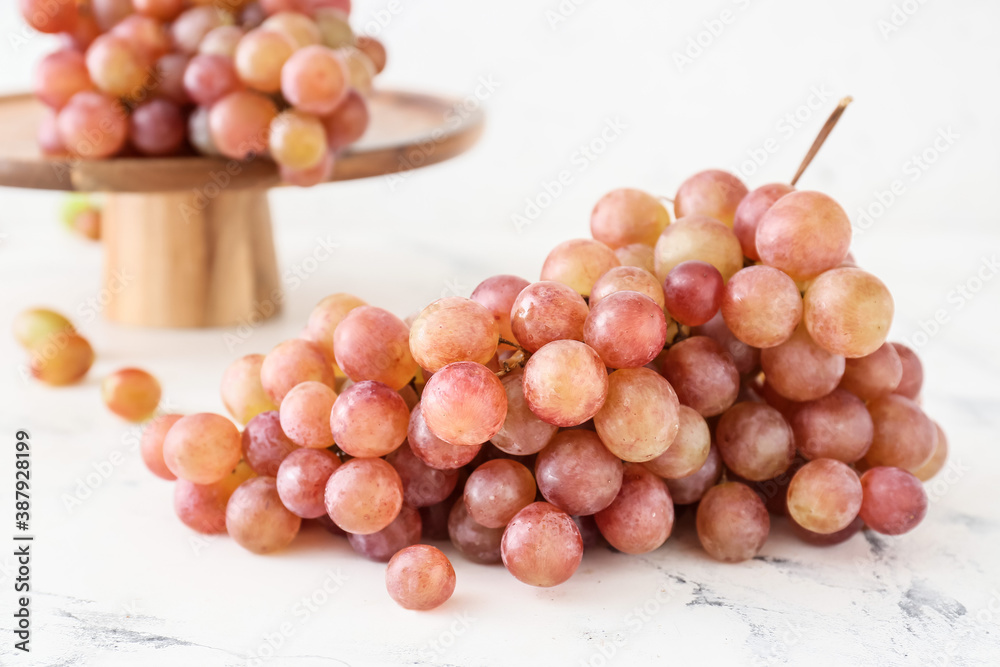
[117,580]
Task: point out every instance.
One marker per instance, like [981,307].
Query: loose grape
[541,545]
[256,519]
[374,344]
[151,445]
[626,216]
[240,124]
[689,450]
[131,393]
[732,522]
[693,292]
[642,515]
[577,473]
[751,209]
[761,306]
[639,419]
[474,541]
[836,426]
[578,263]
[61,75]
[627,329]
[434,451]
[903,435]
[824,496]
[404,531]
[547,311]
[755,441]
[369,419]
[301,481]
[453,329]
[202,448]
[420,577]
[464,403]
[690,489]
[698,237]
[522,433]
[34,326]
[804,234]
[894,500]
[202,507]
[848,312]
[364,495]
[565,383]
[703,375]
[61,359]
[874,375]
[265,445]
[497,490]
[713,193]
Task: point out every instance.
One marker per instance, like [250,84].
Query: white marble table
[117,580]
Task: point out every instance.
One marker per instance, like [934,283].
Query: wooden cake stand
[193,234]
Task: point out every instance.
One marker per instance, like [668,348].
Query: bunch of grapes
[734,358]
[284,78]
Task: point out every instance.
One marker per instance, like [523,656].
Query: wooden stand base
[180,259]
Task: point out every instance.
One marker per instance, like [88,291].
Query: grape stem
[504,341]
[821,137]
[516,360]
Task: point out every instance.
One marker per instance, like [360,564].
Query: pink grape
[291,363]
[131,393]
[522,433]
[404,531]
[301,481]
[240,124]
[693,292]
[464,403]
[641,517]
[732,522]
[801,370]
[913,372]
[903,435]
[751,209]
[170,71]
[375,51]
[325,317]
[698,237]
[50,17]
[630,312]
[836,426]
[202,507]
[689,450]
[578,263]
[373,344]
[265,445]
[369,419]
[703,375]
[627,279]
[93,126]
[364,495]
[61,75]
[158,127]
[298,27]
[256,519]
[713,193]
[746,357]
[874,375]
[297,141]
[305,415]
[164,10]
[755,441]
[576,473]
[260,57]
[306,178]
[639,419]
[109,12]
[937,460]
[453,329]
[241,389]
[497,490]
[348,122]
[434,451]
[192,25]
[208,78]
[474,541]
[61,359]
[115,67]
[565,383]
[202,448]
[761,306]
[315,80]
[848,312]
[804,234]
[638,255]
[547,311]
[824,496]
[420,577]
[497,295]
[626,216]
[423,485]
[222,41]
[691,488]
[147,36]
[541,545]
[360,69]
[894,500]
[151,445]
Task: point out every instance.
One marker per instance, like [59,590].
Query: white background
[117,576]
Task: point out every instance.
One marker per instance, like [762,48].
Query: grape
[626,216]
[751,209]
[434,451]
[577,473]
[693,292]
[541,545]
[241,390]
[302,478]
[164,10]
[364,495]
[34,326]
[360,69]
[820,540]
[158,127]
[420,577]
[200,132]
[713,193]
[265,445]
[903,435]
[746,358]
[497,490]
[703,375]
[824,496]
[786,407]
[690,489]
[256,519]
[732,522]
[151,445]
[202,448]
[629,313]
[115,67]
[422,485]
[497,295]
[61,75]
[937,460]
[49,141]
[627,279]
[84,32]
[260,57]
[374,344]
[369,419]
[578,263]
[404,531]
[92,125]
[299,28]
[453,329]
[894,500]
[202,507]
[109,12]
[761,306]
[222,41]
[335,31]
[325,317]
[293,362]
[306,178]
[804,234]
[913,372]
[375,51]
[638,255]
[875,375]
[131,393]
[315,81]
[61,359]
[698,237]
[50,16]
[642,515]
[464,403]
[836,426]
[305,415]
[147,36]
[689,450]
[545,312]
[297,141]
[848,311]
[801,370]
[170,71]
[240,124]
[192,26]
[755,441]
[474,541]
[209,77]
[639,420]
[522,433]
[565,383]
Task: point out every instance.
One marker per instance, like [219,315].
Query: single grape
[241,390]
[335,30]
[746,357]
[434,451]
[297,140]
[147,36]
[202,507]
[222,41]
[761,306]
[325,317]
[522,433]
[291,363]
[642,515]
[373,344]
[93,126]
[836,426]
[848,312]
[913,372]
[545,312]
[703,375]
[474,541]
[265,445]
[240,124]
[423,485]
[305,414]
[497,490]
[690,489]
[256,519]
[115,67]
[903,435]
[577,473]
[404,531]
[348,122]
[170,71]
[420,577]
[369,419]
[541,545]
[158,127]
[61,75]
[693,292]
[151,445]
[497,295]
[299,28]
[801,370]
[639,419]
[464,403]
[698,237]
[301,481]
[627,279]
[894,500]
[50,16]
[626,216]
[565,383]
[315,80]
[689,450]
[824,496]
[210,77]
[364,495]
[751,209]
[453,329]
[732,522]
[713,193]
[260,57]
[874,375]
[937,460]
[360,69]
[61,359]
[804,234]
[627,330]
[578,263]
[202,448]
[638,255]
[755,441]
[131,393]
[34,326]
